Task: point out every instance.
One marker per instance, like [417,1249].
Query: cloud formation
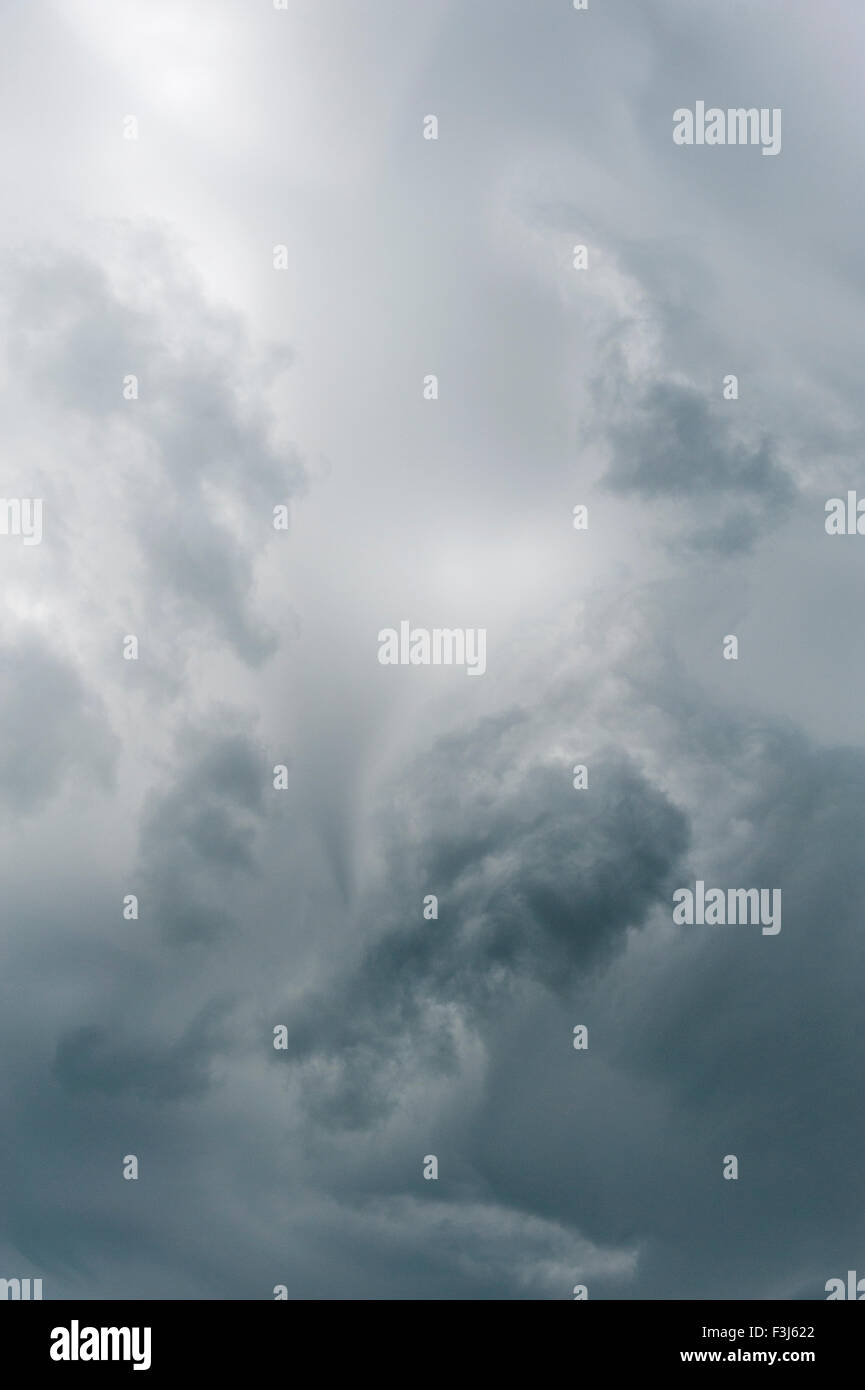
[302,908]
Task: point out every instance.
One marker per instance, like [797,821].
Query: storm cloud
[278,804]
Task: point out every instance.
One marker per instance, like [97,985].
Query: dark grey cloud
[670,444]
[56,728]
[714,1042]
[96,1058]
[704,1042]
[538,884]
[198,836]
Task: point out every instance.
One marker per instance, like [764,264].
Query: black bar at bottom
[416,1340]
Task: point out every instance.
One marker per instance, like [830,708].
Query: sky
[300,906]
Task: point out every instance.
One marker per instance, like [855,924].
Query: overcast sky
[303,907]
